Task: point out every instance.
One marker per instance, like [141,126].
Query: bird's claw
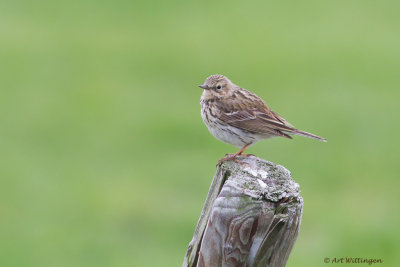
[229,157]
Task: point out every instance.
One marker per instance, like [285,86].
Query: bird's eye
[219,87]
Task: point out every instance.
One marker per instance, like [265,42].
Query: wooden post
[251,217]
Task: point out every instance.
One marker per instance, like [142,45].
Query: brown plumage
[239,117]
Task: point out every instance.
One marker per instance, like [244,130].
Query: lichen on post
[251,216]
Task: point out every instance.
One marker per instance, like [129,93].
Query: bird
[239,117]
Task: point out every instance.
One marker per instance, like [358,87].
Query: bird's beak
[204,86]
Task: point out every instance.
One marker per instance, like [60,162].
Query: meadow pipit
[239,117]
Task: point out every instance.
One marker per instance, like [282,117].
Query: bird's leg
[240,152]
[233,156]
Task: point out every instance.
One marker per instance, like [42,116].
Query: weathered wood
[251,217]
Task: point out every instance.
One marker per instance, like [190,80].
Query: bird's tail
[309,135]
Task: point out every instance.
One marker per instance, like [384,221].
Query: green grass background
[105,160]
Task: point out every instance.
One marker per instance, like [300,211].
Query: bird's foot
[233,156]
[229,157]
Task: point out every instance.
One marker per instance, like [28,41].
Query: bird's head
[217,84]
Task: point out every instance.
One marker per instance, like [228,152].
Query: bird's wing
[279,118]
[257,121]
[263,122]
[247,111]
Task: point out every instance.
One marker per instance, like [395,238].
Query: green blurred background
[105,160]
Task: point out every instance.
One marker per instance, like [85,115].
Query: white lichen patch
[261,183]
[263,174]
[256,172]
[251,171]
